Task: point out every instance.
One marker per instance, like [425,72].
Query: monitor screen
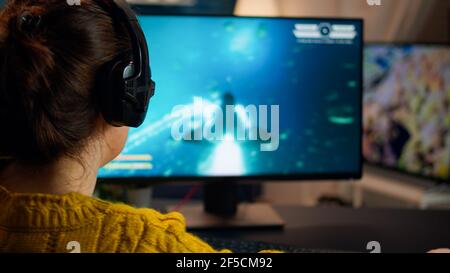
[407,109]
[249,97]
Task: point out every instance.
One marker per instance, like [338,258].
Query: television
[407,108]
[248,98]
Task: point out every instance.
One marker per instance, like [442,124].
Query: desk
[351,229]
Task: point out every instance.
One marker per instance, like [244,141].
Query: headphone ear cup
[111,92]
[122,100]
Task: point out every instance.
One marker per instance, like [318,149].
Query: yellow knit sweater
[53,223]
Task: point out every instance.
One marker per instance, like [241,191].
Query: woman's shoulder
[147,230]
[146,216]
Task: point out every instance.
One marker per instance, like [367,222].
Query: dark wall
[217,7]
[437,26]
[223,7]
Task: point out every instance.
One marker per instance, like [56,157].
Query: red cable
[187,197]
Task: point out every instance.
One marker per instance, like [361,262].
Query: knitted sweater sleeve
[166,233]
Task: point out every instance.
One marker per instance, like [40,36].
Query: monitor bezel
[397,169]
[338,176]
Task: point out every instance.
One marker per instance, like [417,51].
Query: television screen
[249,97]
[407,109]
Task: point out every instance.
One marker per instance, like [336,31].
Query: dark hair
[50,53]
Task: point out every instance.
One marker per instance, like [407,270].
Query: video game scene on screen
[248,62]
[407,108]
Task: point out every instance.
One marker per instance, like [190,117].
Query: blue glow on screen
[250,61]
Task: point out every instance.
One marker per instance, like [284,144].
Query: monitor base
[248,215]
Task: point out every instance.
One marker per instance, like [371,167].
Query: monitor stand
[221,209]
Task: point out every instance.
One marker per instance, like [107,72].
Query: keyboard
[243,246]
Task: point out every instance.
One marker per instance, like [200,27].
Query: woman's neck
[64,176]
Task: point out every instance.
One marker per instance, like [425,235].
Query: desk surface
[351,229]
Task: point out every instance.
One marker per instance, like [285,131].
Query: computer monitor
[249,98]
[407,108]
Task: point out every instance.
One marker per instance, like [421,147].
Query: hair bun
[29,22]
